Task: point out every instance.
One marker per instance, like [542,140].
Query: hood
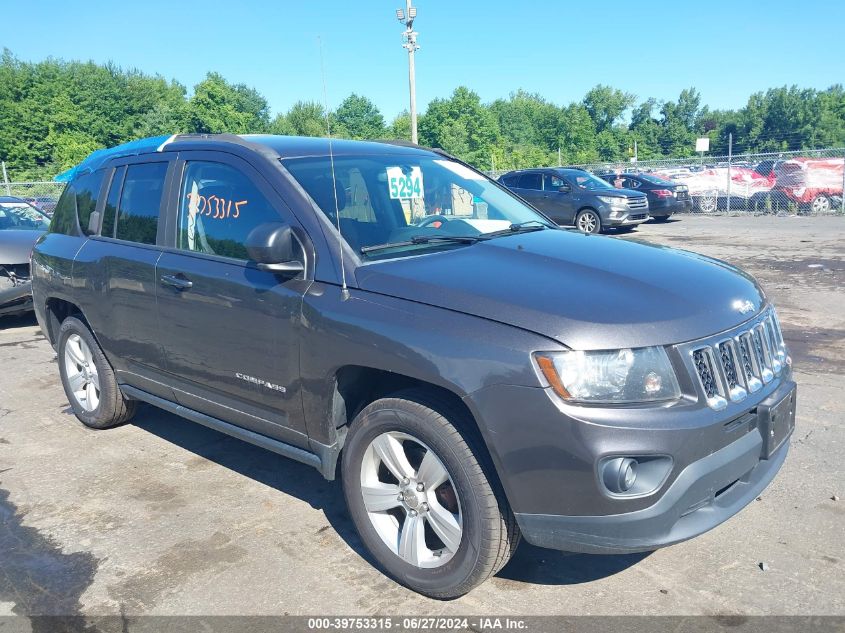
[585,291]
[15,246]
[620,193]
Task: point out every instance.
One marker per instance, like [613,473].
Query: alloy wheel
[411,500]
[821,204]
[82,377]
[587,222]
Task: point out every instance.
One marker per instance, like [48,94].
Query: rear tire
[88,378]
[465,529]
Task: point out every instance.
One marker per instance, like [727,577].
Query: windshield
[398,205]
[22,217]
[656,180]
[588,181]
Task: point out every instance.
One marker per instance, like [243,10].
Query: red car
[811,181]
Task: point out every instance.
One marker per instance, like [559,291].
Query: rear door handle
[177,282]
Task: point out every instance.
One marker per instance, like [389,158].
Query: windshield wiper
[519,227]
[422,239]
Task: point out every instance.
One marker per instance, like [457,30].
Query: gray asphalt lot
[162,516]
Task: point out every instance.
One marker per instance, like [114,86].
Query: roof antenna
[344,293]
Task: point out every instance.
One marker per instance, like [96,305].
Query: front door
[557,200]
[229,330]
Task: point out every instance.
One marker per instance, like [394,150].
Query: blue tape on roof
[96,159]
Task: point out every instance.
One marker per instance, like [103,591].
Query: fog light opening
[633,476]
[620,474]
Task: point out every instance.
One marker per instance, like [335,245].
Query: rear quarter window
[87,189]
[64,215]
[76,204]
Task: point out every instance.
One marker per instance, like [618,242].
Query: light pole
[409,38]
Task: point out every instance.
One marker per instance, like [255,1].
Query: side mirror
[563,189]
[271,247]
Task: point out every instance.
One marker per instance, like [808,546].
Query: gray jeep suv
[391,313]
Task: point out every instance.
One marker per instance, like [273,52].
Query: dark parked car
[21,225]
[475,372]
[665,197]
[47,204]
[575,196]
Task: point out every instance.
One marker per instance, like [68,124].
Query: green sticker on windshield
[405,183]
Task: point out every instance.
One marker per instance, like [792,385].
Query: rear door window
[140,201]
[218,208]
[531,181]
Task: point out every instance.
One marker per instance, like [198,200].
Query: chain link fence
[43,194]
[808,182]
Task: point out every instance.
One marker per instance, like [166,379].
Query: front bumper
[548,466]
[694,504]
[616,218]
[16,299]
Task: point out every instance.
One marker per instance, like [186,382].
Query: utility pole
[409,37]
[6,180]
[730,156]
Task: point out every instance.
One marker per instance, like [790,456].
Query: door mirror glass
[564,189]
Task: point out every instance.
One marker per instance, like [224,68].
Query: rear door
[116,270]
[530,187]
[229,330]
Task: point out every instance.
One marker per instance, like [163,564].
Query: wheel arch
[357,386]
[56,310]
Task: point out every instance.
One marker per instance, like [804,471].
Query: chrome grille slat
[726,356]
[731,368]
[708,374]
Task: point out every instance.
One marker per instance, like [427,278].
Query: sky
[726,50]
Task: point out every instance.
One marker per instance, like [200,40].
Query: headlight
[613,201]
[622,375]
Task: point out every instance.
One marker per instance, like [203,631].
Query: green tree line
[53,113]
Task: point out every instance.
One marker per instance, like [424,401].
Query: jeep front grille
[731,367]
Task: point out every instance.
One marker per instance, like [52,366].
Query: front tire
[88,378]
[424,497]
[588,221]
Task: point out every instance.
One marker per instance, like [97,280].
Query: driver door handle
[176,281]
